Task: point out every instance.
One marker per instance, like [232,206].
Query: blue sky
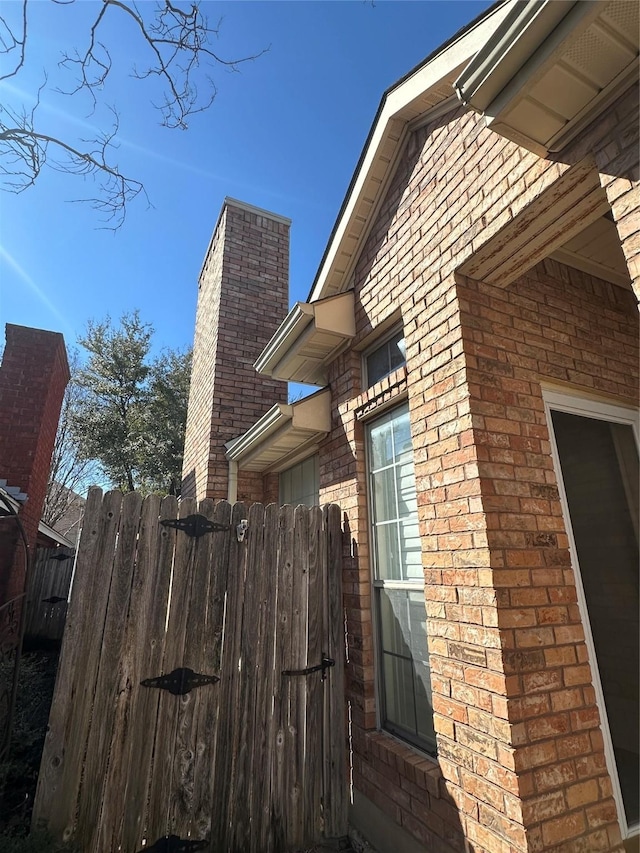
[284,134]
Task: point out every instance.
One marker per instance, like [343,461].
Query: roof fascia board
[393,109]
[522,31]
[291,328]
[312,414]
[260,431]
[301,323]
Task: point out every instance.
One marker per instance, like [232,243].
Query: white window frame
[575,403]
[404,585]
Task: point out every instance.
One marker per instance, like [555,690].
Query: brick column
[33,377]
[242,299]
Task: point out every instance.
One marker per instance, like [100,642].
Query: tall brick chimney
[243,297]
[33,376]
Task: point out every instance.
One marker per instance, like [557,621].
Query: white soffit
[308,339]
[551,68]
[414,99]
[282,433]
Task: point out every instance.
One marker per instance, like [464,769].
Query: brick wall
[242,298]
[521,763]
[33,376]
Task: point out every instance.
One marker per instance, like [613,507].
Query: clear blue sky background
[284,134]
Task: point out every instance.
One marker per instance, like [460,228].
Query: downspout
[232,491]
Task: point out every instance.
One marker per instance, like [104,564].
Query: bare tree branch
[179,42]
[9,42]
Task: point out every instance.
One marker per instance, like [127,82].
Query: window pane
[380,446]
[410,552]
[402,437]
[384,495]
[399,704]
[388,552]
[300,484]
[406,483]
[397,355]
[395,626]
[386,358]
[378,365]
[403,639]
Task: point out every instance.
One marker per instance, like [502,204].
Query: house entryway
[199,700]
[596,447]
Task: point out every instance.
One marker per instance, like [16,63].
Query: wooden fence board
[297,660]
[262,792]
[312,816]
[63,754]
[205,717]
[165,780]
[335,746]
[108,683]
[228,726]
[123,809]
[282,684]
[240,814]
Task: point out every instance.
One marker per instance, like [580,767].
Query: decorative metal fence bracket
[180,682]
[194,525]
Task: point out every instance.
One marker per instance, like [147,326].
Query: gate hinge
[194,525]
[180,682]
[320,667]
[173,844]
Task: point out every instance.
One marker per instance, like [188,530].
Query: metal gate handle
[324,666]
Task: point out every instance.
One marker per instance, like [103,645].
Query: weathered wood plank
[297,659]
[206,714]
[192,756]
[163,779]
[62,759]
[109,680]
[312,812]
[248,674]
[229,733]
[122,820]
[335,794]
[261,792]
[282,684]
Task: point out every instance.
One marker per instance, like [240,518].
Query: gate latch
[194,525]
[320,667]
[180,682]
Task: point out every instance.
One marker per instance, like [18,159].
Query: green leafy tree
[131,414]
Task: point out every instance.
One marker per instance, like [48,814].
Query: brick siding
[521,762]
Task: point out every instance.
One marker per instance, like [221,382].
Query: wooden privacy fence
[47,594]
[254,761]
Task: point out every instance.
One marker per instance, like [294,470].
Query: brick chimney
[33,377]
[242,299]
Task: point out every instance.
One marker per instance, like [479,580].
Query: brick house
[474,330]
